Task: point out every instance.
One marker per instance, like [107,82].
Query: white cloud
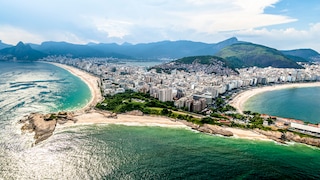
[113,28]
[288,38]
[144,21]
[68,37]
[230,15]
[12,35]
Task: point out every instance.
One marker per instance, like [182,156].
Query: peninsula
[214,120]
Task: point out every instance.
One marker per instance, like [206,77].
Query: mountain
[249,54]
[175,49]
[207,64]
[21,52]
[235,52]
[307,54]
[155,50]
[75,50]
[3,45]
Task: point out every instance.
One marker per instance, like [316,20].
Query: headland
[89,115]
[38,123]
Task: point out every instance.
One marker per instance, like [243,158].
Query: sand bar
[239,100]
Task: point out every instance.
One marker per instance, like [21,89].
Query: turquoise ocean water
[123,152]
[297,103]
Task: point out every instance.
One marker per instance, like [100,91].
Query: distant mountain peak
[232,39]
[21,52]
[20,43]
[126,44]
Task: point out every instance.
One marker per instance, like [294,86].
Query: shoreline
[87,78]
[88,116]
[99,118]
[241,98]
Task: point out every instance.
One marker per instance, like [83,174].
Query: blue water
[297,103]
[123,152]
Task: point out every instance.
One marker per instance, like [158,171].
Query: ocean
[296,103]
[125,152]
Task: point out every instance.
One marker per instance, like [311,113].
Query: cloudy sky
[283,24]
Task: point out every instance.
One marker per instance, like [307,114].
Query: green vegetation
[205,61]
[216,115]
[238,116]
[248,55]
[221,106]
[199,59]
[302,54]
[123,102]
[127,101]
[130,100]
[51,117]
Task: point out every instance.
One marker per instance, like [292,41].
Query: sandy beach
[90,80]
[239,100]
[96,117]
[247,134]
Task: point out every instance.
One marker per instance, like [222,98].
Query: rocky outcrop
[274,135]
[208,128]
[108,114]
[305,140]
[214,129]
[43,125]
[289,136]
[190,124]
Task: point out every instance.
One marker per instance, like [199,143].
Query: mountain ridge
[167,50]
[249,54]
[3,45]
[307,54]
[21,52]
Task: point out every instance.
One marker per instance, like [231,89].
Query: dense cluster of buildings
[190,90]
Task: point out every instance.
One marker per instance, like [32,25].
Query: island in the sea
[207,99]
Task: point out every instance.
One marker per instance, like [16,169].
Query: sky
[281,24]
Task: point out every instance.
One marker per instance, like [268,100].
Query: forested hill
[206,64]
[248,54]
[307,54]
